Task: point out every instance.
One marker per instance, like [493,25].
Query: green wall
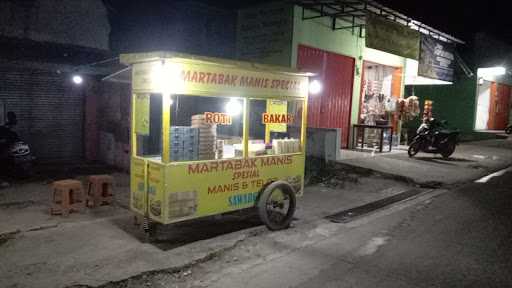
[454,103]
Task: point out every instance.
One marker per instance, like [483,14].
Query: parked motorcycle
[508,130]
[15,154]
[433,137]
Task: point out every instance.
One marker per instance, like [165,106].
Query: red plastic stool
[67,196]
[100,190]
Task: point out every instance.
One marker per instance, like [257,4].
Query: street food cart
[211,136]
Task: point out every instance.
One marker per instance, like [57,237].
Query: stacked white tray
[207,137]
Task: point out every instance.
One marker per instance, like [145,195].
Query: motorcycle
[508,130]
[14,153]
[433,137]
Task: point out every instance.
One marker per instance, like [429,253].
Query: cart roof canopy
[178,73]
[133,58]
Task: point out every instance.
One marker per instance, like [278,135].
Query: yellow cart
[212,136]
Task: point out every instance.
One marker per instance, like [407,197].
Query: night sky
[458,18]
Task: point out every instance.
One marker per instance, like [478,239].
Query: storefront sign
[436,59]
[205,76]
[142,114]
[206,188]
[275,107]
[226,185]
[217,118]
[391,37]
[274,118]
[214,80]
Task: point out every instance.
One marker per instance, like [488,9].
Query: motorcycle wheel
[448,151]
[414,148]
[508,130]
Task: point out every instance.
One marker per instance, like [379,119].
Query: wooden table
[357,127]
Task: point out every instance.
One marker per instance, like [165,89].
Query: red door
[332,107]
[499,106]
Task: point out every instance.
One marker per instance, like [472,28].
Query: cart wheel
[276,205]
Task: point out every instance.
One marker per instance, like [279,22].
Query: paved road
[463,239]
[459,238]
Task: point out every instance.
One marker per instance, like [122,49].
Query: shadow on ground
[170,236]
[445,161]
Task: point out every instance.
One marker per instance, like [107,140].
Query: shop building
[40,48]
[298,36]
[493,102]
[363,75]
[494,83]
[479,101]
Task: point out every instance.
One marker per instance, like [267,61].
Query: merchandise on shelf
[207,137]
[409,108]
[283,146]
[184,143]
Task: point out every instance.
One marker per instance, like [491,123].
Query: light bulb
[315,87]
[77,79]
[233,107]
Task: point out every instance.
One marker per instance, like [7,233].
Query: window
[206,128]
[275,127]
[211,128]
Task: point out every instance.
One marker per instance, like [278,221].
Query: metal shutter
[332,107]
[49,111]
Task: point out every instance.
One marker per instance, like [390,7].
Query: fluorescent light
[77,79]
[491,71]
[233,107]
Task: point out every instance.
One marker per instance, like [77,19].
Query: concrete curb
[181,258]
[411,181]
[7,236]
[368,172]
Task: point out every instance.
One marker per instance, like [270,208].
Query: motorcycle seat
[448,132]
